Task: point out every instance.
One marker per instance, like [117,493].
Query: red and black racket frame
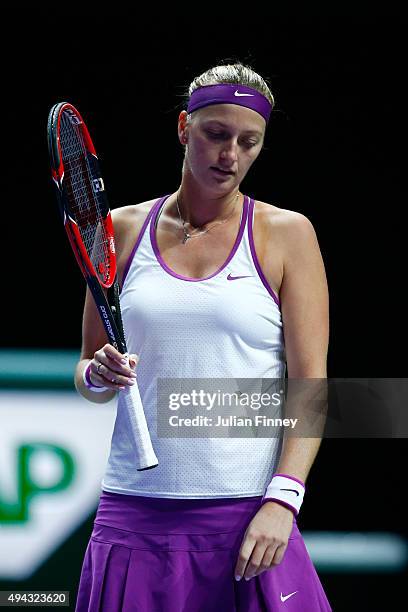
[109,305]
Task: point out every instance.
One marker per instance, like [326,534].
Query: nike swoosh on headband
[294,490]
[242,94]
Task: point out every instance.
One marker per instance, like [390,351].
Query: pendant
[186,237]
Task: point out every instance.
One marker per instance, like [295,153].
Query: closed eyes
[222,135]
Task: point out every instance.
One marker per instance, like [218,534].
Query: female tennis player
[214,284]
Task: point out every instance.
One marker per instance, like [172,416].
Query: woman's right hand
[111,369]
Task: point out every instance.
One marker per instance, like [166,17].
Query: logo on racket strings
[74,119]
[97,185]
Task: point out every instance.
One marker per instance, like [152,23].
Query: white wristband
[88,382]
[286,490]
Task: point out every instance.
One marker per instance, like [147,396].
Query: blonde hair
[232,73]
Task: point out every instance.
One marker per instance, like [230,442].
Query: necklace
[188,235]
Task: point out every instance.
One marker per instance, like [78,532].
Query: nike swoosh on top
[285,597]
[294,490]
[229,277]
[242,94]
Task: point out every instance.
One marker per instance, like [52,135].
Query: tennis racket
[85,211]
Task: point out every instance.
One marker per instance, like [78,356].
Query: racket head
[81,193]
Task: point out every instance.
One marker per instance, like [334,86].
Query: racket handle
[145,455]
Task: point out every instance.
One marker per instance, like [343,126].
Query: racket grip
[145,455]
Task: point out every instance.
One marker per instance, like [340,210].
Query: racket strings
[83,202]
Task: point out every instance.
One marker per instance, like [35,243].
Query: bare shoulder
[282,217]
[287,228]
[133,213]
[127,223]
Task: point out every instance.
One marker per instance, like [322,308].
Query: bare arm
[304,303]
[95,346]
[305,312]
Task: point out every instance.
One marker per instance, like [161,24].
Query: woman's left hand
[265,540]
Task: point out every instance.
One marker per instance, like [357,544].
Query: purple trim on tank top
[139,238]
[292,478]
[187,278]
[254,255]
[282,503]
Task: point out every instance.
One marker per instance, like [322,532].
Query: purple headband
[230,94]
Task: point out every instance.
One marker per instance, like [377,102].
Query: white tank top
[215,327]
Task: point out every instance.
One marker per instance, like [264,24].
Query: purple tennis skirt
[150,554]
